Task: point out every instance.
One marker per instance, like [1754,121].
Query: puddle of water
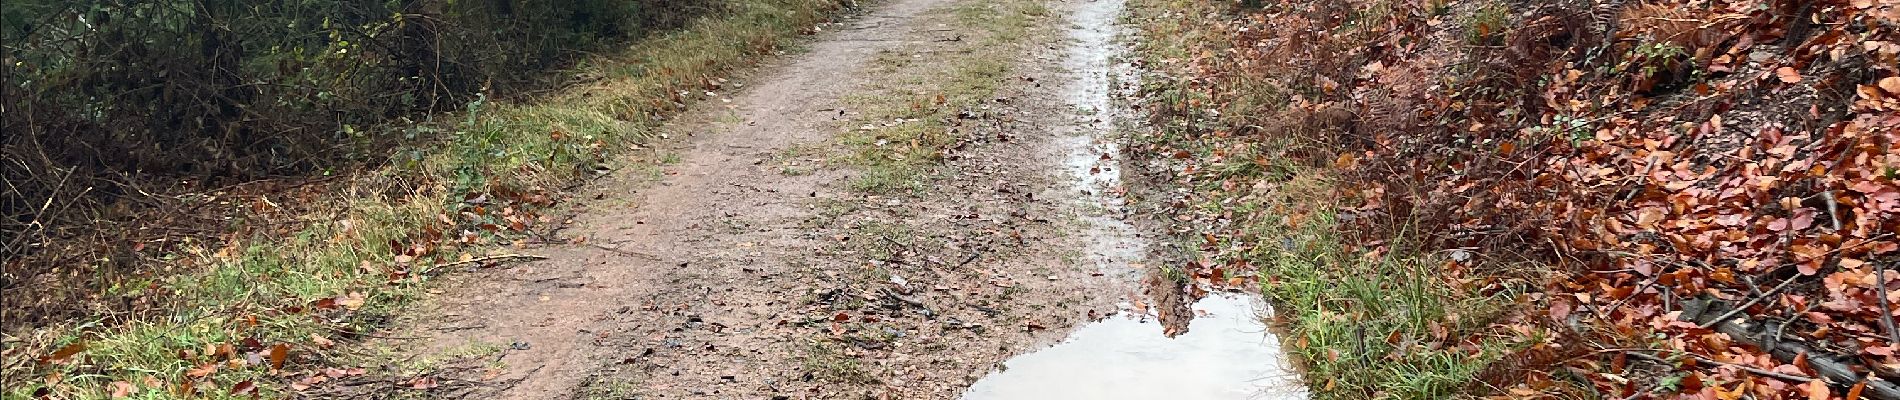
[1093,160]
[1226,354]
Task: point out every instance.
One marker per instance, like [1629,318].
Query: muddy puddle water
[1226,353]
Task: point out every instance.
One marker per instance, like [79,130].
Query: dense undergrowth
[259,311]
[233,88]
[1546,199]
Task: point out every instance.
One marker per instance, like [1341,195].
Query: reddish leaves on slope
[1705,151]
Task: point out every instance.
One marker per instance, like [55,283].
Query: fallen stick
[1886,312]
[1706,360]
[497,257]
[624,252]
[1830,367]
[973,255]
[1639,290]
[1750,303]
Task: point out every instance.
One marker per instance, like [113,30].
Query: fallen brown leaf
[278,354]
[1788,75]
[64,352]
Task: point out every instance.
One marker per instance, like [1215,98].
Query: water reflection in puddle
[1226,354]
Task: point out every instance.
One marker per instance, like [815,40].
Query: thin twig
[340,331]
[1750,303]
[901,249]
[1886,313]
[1638,292]
[490,258]
[624,252]
[1833,210]
[1783,328]
[1641,393]
[37,225]
[973,255]
[1705,360]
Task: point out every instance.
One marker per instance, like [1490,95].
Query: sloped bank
[1470,198]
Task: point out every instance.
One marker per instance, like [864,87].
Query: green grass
[247,291]
[216,294]
[893,147]
[610,390]
[1364,317]
[1343,306]
[799,159]
[1485,25]
[1364,323]
[825,362]
[902,129]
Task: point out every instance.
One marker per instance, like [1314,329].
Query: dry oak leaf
[1788,75]
[202,370]
[245,387]
[321,341]
[123,389]
[353,302]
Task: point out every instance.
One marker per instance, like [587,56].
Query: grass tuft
[1376,321]
[909,117]
[824,361]
[1366,317]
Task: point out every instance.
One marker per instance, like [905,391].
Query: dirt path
[724,272]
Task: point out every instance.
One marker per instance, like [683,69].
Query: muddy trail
[743,264]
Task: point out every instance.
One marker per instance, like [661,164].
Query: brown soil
[724,275]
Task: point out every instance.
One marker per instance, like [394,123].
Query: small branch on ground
[1705,360]
[341,331]
[1835,369]
[1886,312]
[1738,309]
[1833,209]
[497,257]
[973,256]
[624,252]
[1639,291]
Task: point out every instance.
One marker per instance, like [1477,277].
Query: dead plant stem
[1886,312]
[497,257]
[1751,302]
